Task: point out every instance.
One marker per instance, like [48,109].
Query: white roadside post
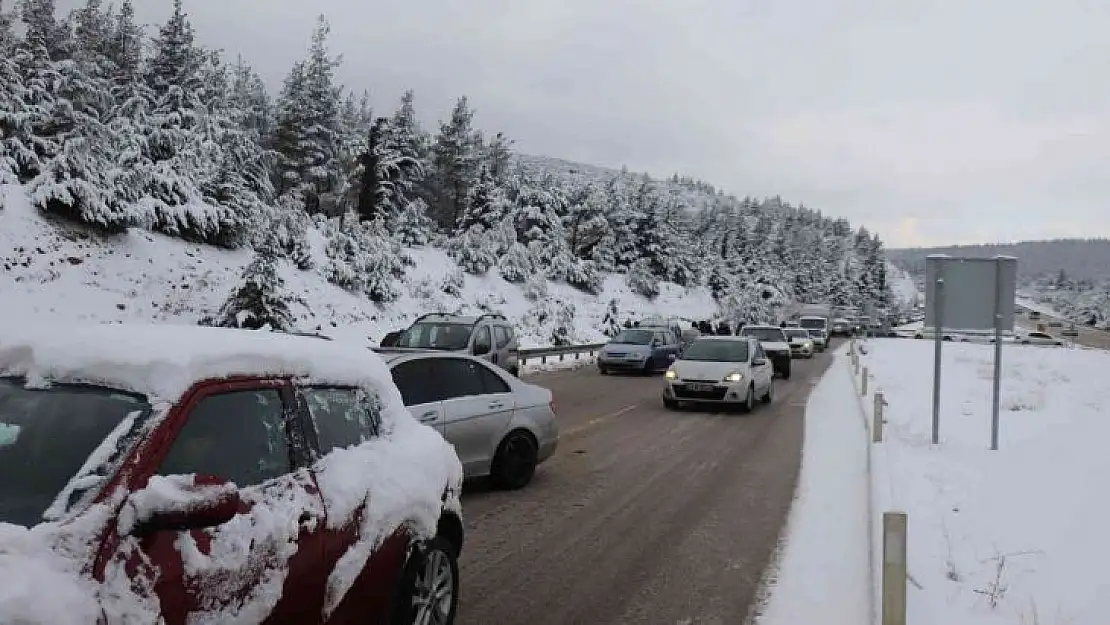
[894,568]
[879,419]
[863,383]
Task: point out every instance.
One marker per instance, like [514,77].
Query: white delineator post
[863,383]
[878,418]
[894,568]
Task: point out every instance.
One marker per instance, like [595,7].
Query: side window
[491,382]
[414,379]
[343,416]
[503,336]
[483,344]
[660,337]
[457,377]
[239,436]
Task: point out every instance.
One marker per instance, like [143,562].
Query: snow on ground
[56,271]
[1014,536]
[1044,309]
[823,575]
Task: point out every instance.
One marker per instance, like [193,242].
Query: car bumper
[547,448]
[627,364]
[801,351]
[716,393]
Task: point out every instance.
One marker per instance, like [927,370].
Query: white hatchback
[722,370]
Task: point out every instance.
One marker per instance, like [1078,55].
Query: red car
[206,475]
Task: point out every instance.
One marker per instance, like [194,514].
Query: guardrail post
[863,383]
[879,419]
[894,568]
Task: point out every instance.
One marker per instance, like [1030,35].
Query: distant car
[1039,338]
[801,343]
[775,345]
[840,327]
[490,337]
[721,370]
[211,475]
[820,339]
[642,350]
[500,426]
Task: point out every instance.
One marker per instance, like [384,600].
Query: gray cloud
[936,121]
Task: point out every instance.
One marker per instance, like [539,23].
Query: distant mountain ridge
[1079,259]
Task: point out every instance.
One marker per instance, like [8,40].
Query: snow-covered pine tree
[307,129]
[456,156]
[362,258]
[260,300]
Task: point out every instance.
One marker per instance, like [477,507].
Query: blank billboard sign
[974,288]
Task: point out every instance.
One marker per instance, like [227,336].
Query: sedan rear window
[343,416]
[766,335]
[48,435]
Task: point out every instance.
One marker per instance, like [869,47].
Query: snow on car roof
[164,361]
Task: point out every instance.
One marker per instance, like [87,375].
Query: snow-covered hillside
[56,270]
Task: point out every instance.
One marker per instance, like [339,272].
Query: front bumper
[801,350]
[706,392]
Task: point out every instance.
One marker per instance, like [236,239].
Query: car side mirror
[179,503]
[758,362]
[482,350]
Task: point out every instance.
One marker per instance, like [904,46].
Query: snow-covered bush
[260,301]
[453,283]
[562,331]
[535,288]
[362,259]
[412,227]
[474,250]
[641,280]
[282,231]
[517,264]
[610,324]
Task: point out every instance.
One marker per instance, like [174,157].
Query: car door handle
[496,404]
[429,416]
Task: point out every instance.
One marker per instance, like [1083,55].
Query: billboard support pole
[938,346]
[996,392]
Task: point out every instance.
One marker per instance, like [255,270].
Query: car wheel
[603,371]
[649,366]
[786,372]
[749,400]
[429,585]
[769,396]
[670,404]
[515,372]
[514,464]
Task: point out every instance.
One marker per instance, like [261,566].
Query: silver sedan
[501,426]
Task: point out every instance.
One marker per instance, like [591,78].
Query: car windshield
[49,435]
[447,336]
[716,351]
[815,324]
[766,335]
[795,334]
[634,337]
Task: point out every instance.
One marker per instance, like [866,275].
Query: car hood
[38,584]
[701,370]
[772,346]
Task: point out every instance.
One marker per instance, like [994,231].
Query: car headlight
[735,376]
[670,374]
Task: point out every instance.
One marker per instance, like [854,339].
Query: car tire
[428,559]
[515,372]
[515,461]
[749,400]
[603,371]
[670,404]
[649,366]
[769,396]
[786,372]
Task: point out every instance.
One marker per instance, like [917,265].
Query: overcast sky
[931,122]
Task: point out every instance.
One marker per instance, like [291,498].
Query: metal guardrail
[543,354]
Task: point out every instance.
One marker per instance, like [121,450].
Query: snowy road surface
[643,515]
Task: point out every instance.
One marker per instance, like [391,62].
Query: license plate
[701,388]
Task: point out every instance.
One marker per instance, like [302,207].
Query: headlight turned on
[670,374]
[735,376]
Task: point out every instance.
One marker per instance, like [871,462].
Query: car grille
[615,355]
[717,394]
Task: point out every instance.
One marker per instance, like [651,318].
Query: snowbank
[823,572]
[1012,536]
[56,270]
